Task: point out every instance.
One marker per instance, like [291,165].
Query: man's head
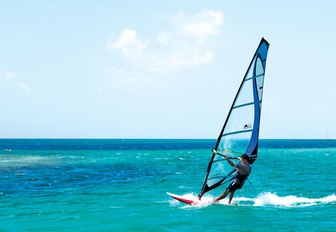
[245,157]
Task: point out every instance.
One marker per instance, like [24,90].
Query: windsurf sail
[240,133]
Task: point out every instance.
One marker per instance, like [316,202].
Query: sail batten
[246,104]
[237,132]
[240,133]
[254,77]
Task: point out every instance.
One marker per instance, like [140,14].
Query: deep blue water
[148,144]
[121,185]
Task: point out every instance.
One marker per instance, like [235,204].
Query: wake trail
[263,199]
[272,199]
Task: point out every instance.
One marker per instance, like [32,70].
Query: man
[244,170]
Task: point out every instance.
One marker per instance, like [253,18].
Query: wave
[272,199]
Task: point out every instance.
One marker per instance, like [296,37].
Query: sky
[163,69]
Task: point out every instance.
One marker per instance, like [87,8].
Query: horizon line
[73,138]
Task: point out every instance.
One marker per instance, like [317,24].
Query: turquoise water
[121,185]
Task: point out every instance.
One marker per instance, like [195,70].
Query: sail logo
[248,126]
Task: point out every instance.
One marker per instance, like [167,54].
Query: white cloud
[11,76]
[203,24]
[188,41]
[129,44]
[163,38]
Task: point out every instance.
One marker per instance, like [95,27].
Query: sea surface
[121,185]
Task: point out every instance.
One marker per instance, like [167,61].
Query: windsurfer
[244,170]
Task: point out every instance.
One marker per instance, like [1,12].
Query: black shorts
[233,187]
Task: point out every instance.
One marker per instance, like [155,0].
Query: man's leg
[231,196]
[224,194]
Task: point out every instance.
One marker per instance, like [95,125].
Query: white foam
[9,161]
[269,199]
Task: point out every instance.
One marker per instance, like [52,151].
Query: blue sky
[162,69]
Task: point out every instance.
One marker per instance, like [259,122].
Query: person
[244,170]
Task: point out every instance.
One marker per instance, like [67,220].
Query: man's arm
[230,161]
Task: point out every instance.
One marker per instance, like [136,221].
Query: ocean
[121,185]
